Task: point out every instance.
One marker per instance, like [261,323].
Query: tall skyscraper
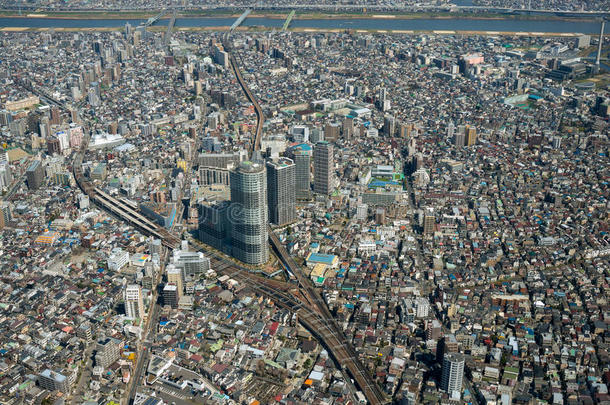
[347,128]
[174,276]
[452,373]
[389,125]
[55,116]
[281,193]
[214,227]
[170,295]
[6,177]
[450,130]
[323,166]
[301,155]
[471,135]
[248,213]
[6,214]
[128,31]
[417,162]
[34,175]
[429,222]
[459,138]
[382,94]
[332,131]
[382,99]
[600,44]
[134,304]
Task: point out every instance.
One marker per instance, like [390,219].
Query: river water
[448,24]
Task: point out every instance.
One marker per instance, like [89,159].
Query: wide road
[144,346]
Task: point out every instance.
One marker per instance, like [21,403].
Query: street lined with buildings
[284,217]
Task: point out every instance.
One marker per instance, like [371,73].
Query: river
[425,24]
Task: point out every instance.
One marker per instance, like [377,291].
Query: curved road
[256,145]
[318,319]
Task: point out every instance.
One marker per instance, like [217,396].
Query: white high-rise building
[192,264]
[450,130]
[6,177]
[362,211]
[134,304]
[64,140]
[422,307]
[248,213]
[453,374]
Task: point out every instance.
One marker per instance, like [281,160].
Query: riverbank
[101,15]
[375,23]
[303,30]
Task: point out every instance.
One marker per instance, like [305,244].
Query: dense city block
[282,217]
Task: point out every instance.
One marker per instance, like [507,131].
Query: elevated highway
[256,144]
[121,209]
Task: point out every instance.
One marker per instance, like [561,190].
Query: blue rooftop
[302,146]
[321,258]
